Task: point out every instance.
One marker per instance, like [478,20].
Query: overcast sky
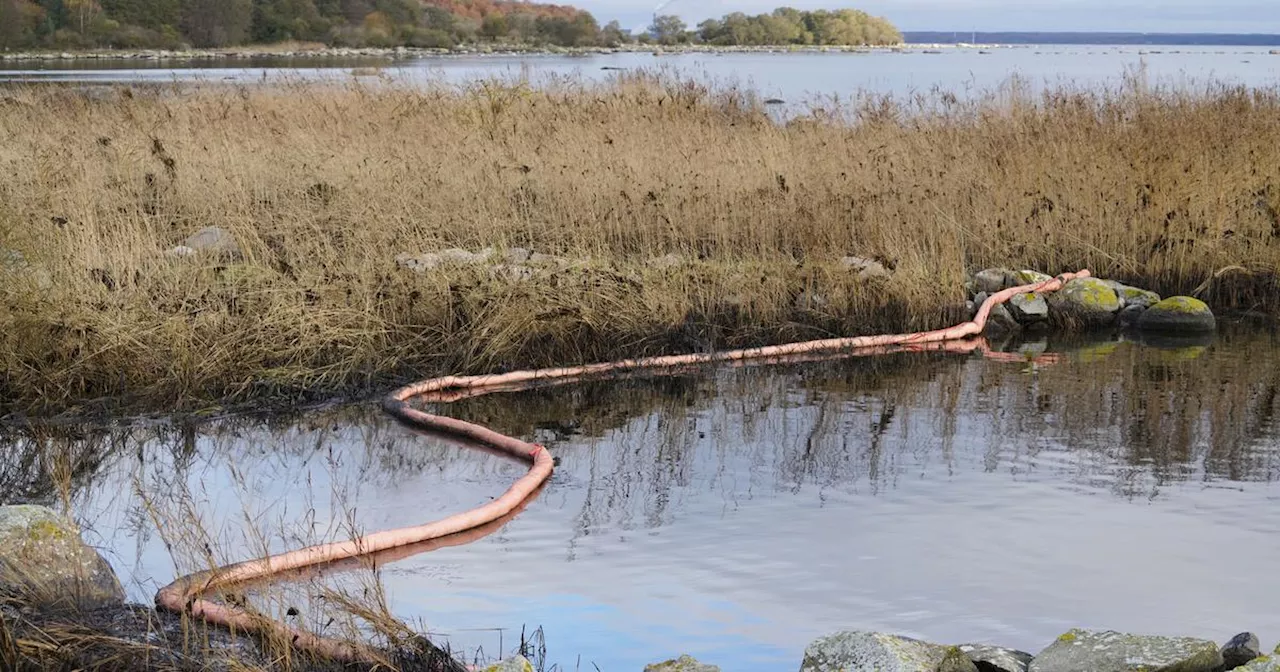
[1183,16]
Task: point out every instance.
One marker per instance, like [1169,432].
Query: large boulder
[996,659]
[1000,322]
[1108,651]
[1178,314]
[991,280]
[681,664]
[856,651]
[44,562]
[1242,649]
[1088,301]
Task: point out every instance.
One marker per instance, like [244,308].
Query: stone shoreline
[394,53]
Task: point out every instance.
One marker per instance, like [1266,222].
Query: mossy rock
[1029,277]
[1262,664]
[1178,314]
[1109,651]
[956,660]
[513,664]
[43,561]
[854,650]
[1134,296]
[1088,301]
[682,664]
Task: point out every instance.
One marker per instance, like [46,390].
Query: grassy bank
[324,185]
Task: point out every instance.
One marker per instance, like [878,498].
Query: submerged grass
[323,185]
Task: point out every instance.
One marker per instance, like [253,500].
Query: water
[738,514]
[796,78]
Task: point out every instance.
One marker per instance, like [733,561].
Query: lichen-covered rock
[1242,649]
[44,561]
[1029,308]
[955,660]
[858,651]
[1178,314]
[1089,301]
[431,260]
[1133,296]
[1108,651]
[513,664]
[996,659]
[682,664]
[1029,277]
[1269,663]
[213,240]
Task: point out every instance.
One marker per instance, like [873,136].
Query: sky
[1173,16]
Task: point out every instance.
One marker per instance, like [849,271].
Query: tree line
[172,24]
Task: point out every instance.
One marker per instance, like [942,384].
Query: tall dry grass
[323,185]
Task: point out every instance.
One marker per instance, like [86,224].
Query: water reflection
[737,513]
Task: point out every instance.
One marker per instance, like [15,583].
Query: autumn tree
[668,29]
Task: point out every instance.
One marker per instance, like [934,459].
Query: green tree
[494,26]
[19,20]
[668,29]
[276,20]
[216,23]
[612,34]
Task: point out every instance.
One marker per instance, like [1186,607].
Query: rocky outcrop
[996,659]
[45,563]
[1242,649]
[1178,314]
[681,664]
[1108,651]
[1133,296]
[1029,309]
[853,651]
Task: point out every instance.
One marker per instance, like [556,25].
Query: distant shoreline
[271,52]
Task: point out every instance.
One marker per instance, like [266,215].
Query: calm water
[738,514]
[792,77]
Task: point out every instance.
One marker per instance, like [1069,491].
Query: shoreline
[397,53]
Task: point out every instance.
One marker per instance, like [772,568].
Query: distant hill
[1168,39]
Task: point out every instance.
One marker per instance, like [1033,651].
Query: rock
[1178,314]
[955,660]
[866,268]
[992,280]
[1000,322]
[213,240]
[432,260]
[513,664]
[1242,649]
[1133,296]
[1029,308]
[858,651]
[1262,664]
[1130,315]
[1108,651]
[1029,277]
[180,252]
[681,664]
[996,659]
[43,560]
[1087,300]
[518,255]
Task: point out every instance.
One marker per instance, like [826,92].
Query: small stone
[856,651]
[682,664]
[1108,651]
[1242,649]
[44,561]
[1178,314]
[1029,308]
[513,664]
[997,659]
[213,240]
[180,252]
[866,268]
[1089,301]
[992,280]
[1000,322]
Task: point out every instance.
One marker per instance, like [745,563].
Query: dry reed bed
[323,185]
